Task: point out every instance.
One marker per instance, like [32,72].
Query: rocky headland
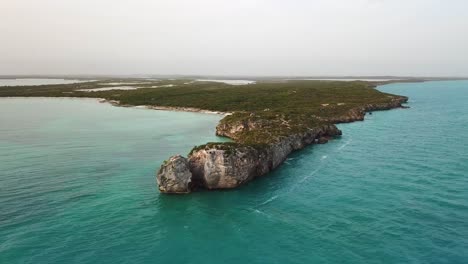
[260,145]
[267,120]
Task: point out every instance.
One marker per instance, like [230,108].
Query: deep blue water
[77,185]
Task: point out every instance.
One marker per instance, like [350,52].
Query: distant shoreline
[117,104]
[164,108]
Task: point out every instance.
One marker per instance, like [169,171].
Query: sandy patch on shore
[108,89]
[231,82]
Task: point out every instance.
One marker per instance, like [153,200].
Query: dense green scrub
[277,108]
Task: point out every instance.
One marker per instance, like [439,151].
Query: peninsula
[266,120]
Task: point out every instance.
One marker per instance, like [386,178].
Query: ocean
[77,185]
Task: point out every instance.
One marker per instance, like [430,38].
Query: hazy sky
[236,37]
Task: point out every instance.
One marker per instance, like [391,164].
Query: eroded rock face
[174,176]
[219,166]
[223,169]
[216,167]
[357,114]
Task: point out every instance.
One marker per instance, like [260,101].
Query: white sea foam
[344,145]
[270,200]
[261,212]
[310,175]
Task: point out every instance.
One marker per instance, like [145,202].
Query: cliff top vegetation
[272,109]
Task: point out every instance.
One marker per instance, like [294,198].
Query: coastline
[266,122]
[226,166]
[117,104]
[164,108]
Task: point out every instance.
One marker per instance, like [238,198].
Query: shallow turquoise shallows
[77,185]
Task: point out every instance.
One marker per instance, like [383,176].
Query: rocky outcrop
[174,176]
[358,113]
[215,167]
[224,166]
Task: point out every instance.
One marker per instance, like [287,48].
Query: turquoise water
[77,185]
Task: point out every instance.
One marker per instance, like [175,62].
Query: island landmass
[266,120]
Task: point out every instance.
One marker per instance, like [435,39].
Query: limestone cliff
[218,167]
[358,113]
[174,176]
[229,165]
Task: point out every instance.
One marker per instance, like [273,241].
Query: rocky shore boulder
[174,176]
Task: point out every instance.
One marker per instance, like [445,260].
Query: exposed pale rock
[174,176]
[223,169]
[221,166]
[218,167]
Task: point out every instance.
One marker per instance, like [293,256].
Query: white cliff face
[174,176]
